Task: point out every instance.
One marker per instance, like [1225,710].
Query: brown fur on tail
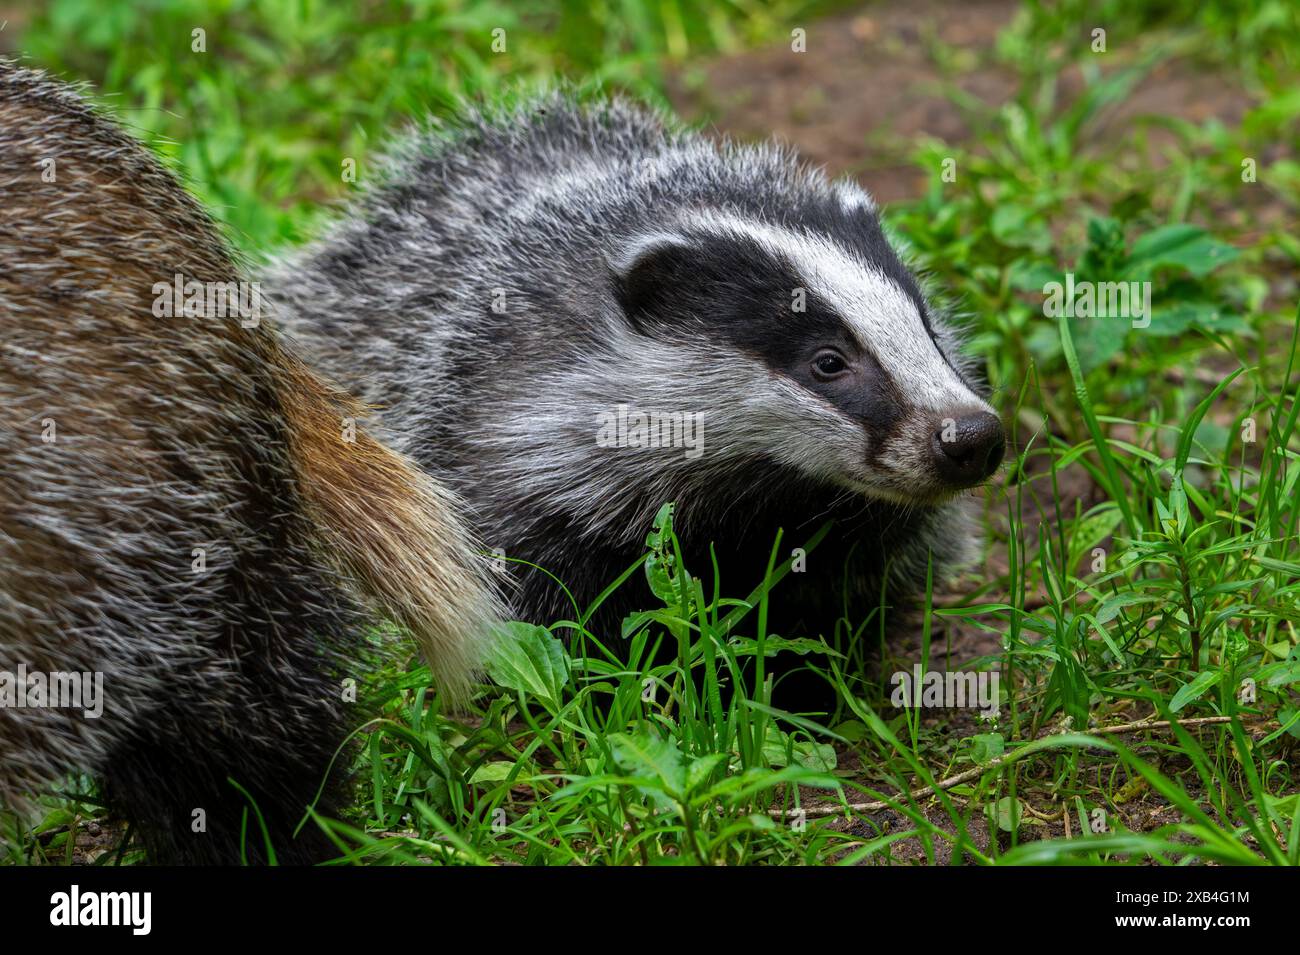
[391,528]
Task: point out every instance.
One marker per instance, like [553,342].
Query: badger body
[181,514]
[524,277]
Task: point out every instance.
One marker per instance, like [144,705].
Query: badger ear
[651,272]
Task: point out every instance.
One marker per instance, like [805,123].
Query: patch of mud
[868,86]
[865,86]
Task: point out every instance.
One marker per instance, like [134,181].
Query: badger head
[807,342]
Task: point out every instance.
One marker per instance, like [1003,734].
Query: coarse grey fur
[180,517]
[522,271]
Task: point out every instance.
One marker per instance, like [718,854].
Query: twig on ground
[1009,758]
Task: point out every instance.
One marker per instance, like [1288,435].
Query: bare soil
[868,85]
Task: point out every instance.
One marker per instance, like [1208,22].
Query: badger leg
[188,813]
[166,790]
[276,728]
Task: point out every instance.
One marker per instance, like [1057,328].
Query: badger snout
[967,447]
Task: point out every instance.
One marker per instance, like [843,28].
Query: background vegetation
[1137,442]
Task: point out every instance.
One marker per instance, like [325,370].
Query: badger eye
[828,364]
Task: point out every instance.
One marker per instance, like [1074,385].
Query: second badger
[526,282]
[182,524]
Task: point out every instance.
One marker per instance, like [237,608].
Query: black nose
[968,448]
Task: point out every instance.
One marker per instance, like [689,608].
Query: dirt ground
[12,17]
[869,83]
[865,85]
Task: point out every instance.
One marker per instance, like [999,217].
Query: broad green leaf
[1195,690]
[1098,340]
[851,730]
[1026,275]
[532,660]
[1289,719]
[1282,673]
[701,769]
[1180,316]
[645,754]
[987,747]
[1182,245]
[1112,605]
[1006,813]
[493,772]
[1020,226]
[1093,529]
[816,756]
[661,565]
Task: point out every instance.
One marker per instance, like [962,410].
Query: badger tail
[392,529]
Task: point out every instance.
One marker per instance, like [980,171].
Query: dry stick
[1063,813]
[1203,376]
[1006,760]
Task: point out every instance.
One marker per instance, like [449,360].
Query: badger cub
[190,550]
[531,294]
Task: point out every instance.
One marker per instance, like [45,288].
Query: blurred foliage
[261,122]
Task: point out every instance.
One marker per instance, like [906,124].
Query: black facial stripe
[859,231]
[732,289]
[816,303]
[875,400]
[881,413]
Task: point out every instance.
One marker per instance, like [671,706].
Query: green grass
[1143,543]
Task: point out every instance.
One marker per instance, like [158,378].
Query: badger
[533,296]
[195,550]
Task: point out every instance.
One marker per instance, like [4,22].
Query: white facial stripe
[642,245]
[881,314]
